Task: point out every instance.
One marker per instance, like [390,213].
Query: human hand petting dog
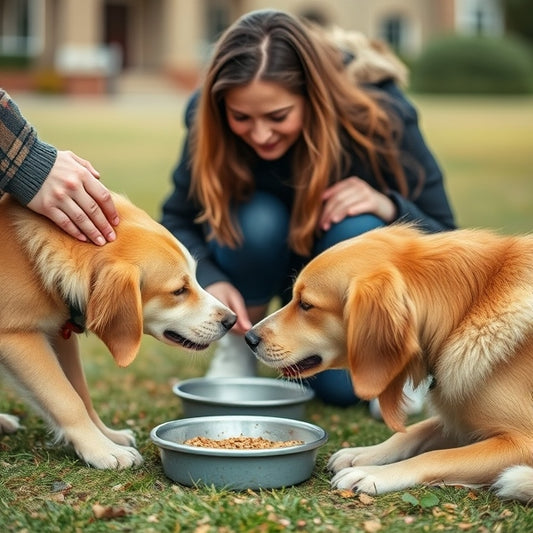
[353,196]
[73,198]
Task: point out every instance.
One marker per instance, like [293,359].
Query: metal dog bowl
[238,469]
[243,396]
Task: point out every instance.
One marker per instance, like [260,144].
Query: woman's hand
[231,297]
[353,196]
[73,198]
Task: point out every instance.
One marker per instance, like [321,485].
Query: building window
[479,17]
[17,33]
[219,17]
[393,30]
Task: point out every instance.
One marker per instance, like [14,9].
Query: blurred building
[84,45]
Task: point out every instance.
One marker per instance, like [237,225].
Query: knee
[346,229]
[334,387]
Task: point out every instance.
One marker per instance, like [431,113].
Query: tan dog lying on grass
[395,304]
[144,282]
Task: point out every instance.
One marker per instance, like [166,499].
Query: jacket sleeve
[25,161]
[429,208]
[179,211]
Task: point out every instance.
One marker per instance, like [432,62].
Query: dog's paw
[9,423]
[346,457]
[372,479]
[112,457]
[342,459]
[356,480]
[362,479]
[124,437]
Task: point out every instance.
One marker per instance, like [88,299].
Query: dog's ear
[114,310]
[381,339]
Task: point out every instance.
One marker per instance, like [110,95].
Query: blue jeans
[264,267]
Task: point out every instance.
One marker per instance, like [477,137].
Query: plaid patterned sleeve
[25,161]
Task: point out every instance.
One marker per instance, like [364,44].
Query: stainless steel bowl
[238,469]
[243,396]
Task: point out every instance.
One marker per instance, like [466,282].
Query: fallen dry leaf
[365,499]
[345,493]
[108,511]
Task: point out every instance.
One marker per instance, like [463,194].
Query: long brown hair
[277,47]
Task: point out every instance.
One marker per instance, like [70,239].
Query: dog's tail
[516,483]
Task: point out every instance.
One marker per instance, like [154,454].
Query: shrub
[474,65]
[14,62]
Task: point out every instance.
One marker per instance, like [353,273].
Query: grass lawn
[485,148]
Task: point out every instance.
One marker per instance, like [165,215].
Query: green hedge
[474,65]
[14,62]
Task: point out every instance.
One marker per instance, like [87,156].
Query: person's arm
[359,192]
[179,212]
[57,184]
[25,160]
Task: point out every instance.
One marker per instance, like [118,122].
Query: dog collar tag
[76,323]
[68,327]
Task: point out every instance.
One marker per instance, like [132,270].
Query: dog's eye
[180,291]
[305,305]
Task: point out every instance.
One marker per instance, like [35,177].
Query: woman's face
[265,116]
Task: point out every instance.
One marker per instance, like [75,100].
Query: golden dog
[144,282]
[395,304]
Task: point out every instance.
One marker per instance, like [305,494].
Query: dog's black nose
[229,321]
[252,339]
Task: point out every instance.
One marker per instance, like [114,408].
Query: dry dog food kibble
[241,443]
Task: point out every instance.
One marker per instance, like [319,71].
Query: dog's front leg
[68,355]
[420,437]
[475,464]
[29,358]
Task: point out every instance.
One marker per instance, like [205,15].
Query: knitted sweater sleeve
[25,161]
